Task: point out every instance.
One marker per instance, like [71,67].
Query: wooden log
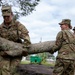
[40,47]
[15,49]
[34,69]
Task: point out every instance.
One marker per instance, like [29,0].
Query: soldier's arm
[58,43]
[24,34]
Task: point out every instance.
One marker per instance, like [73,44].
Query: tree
[25,6]
[43,56]
[14,49]
[51,56]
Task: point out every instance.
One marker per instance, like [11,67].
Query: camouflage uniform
[74,31]
[65,45]
[12,32]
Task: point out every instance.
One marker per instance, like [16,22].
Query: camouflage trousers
[8,65]
[64,67]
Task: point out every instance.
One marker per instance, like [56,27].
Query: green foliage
[26,6]
[51,56]
[43,56]
[16,16]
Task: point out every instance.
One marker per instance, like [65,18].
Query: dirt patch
[34,69]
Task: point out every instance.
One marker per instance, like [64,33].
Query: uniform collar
[9,25]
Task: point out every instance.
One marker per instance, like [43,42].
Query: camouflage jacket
[74,34]
[14,31]
[65,45]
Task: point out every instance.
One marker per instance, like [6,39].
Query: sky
[42,24]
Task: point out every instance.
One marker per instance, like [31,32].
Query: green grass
[25,62]
[46,63]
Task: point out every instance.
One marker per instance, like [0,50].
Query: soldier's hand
[51,51]
[24,53]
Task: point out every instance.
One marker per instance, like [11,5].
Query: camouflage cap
[66,21]
[6,10]
[74,28]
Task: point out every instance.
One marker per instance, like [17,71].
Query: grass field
[25,62]
[46,63]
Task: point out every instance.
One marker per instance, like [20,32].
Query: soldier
[74,31]
[65,45]
[12,30]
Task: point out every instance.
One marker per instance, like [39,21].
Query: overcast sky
[43,23]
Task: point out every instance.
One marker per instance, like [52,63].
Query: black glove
[51,51]
[19,41]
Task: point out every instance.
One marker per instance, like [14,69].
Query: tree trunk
[15,49]
[40,47]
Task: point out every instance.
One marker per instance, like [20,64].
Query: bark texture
[15,49]
[34,69]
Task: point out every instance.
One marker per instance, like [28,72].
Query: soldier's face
[64,26]
[7,19]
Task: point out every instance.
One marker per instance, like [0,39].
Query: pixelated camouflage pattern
[65,45]
[74,34]
[6,10]
[66,21]
[8,64]
[64,67]
[10,32]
